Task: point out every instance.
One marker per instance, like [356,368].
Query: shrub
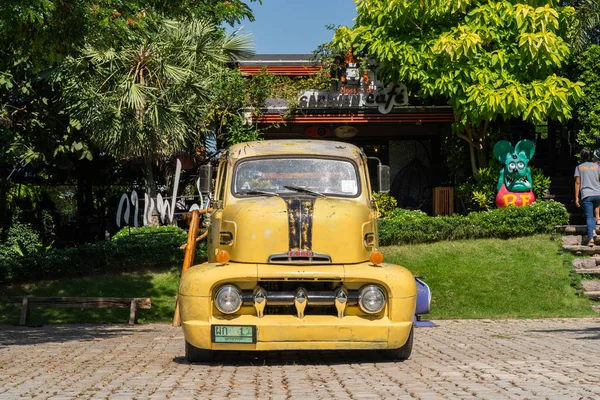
[406,226]
[479,195]
[23,239]
[386,203]
[129,232]
[131,250]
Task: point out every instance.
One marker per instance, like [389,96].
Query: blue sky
[296,26]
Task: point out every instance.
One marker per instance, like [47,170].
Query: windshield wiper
[304,190]
[258,192]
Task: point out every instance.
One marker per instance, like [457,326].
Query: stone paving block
[489,359]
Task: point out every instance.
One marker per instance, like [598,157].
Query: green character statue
[514,183]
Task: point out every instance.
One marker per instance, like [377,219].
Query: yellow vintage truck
[293,260]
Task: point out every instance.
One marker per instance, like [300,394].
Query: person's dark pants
[589,203]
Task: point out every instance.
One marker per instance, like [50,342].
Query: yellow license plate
[233,333]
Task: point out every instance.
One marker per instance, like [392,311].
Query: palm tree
[150,98]
[584,29]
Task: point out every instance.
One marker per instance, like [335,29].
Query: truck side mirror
[205,179]
[383,178]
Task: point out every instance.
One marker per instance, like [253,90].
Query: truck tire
[196,355]
[403,353]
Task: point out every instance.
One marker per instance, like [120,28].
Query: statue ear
[501,149]
[527,147]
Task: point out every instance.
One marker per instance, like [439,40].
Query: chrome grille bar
[315,298]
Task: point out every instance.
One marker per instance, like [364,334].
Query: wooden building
[376,116]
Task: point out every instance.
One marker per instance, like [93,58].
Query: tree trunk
[5,216]
[476,138]
[474,169]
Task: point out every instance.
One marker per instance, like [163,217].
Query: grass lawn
[486,278]
[160,286]
[491,278]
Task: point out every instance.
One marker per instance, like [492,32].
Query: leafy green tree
[489,59]
[148,99]
[588,108]
[36,36]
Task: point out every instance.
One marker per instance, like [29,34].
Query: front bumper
[286,332]
[313,332]
[389,329]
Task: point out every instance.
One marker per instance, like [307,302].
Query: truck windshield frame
[328,176]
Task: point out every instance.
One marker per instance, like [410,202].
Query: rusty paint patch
[307,223]
[300,223]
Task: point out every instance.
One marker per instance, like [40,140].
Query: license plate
[233,334]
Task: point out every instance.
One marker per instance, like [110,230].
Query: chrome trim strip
[285,258]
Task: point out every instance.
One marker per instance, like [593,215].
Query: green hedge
[405,226]
[142,248]
[130,250]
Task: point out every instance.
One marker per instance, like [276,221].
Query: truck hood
[299,228]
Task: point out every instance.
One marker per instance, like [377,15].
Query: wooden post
[133,312]
[190,251]
[24,311]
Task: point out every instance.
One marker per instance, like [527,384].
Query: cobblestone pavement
[514,359]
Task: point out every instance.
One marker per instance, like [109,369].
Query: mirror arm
[374,158]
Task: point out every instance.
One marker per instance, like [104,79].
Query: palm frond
[151,97]
[239,46]
[585,29]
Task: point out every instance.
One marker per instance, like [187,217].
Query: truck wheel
[403,353]
[195,355]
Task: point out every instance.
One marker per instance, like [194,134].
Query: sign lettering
[164,206]
[385,99]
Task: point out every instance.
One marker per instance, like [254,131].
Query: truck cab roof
[294,147]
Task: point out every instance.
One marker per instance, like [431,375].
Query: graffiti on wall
[161,207]
[515,185]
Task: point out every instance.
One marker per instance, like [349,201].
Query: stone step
[593,272]
[587,265]
[583,250]
[573,243]
[573,229]
[591,289]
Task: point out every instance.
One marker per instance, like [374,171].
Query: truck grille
[291,310]
[300,297]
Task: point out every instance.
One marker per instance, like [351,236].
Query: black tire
[196,355]
[403,353]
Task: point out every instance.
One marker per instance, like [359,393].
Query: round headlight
[371,299]
[228,299]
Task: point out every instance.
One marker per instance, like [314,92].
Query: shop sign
[163,207]
[385,99]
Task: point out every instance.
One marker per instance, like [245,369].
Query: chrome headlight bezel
[228,289]
[365,292]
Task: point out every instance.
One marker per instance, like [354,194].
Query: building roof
[280,64]
[278,59]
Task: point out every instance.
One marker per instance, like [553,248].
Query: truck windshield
[330,177]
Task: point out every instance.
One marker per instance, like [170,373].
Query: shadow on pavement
[292,357]
[592,333]
[23,336]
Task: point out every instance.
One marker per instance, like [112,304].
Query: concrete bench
[26,303]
